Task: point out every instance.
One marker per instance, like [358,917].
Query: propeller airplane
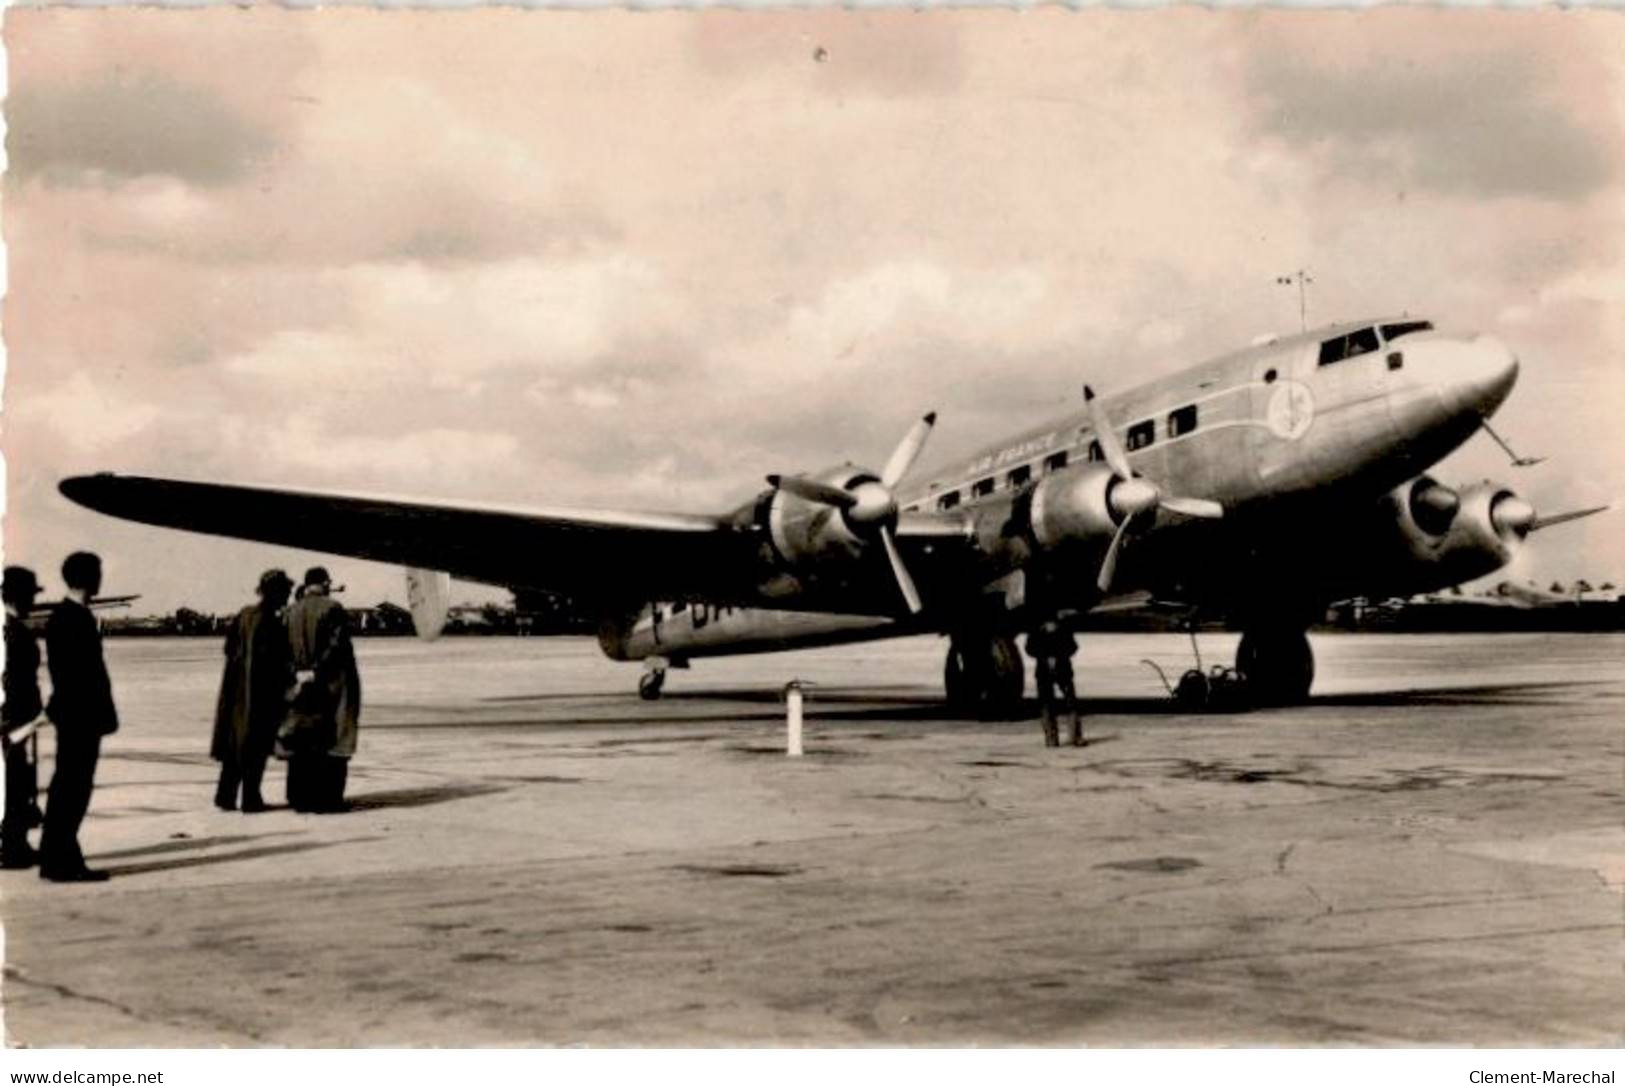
[1259,486]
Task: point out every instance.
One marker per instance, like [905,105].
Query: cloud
[434,456]
[86,414]
[640,259]
[833,52]
[124,126]
[1473,125]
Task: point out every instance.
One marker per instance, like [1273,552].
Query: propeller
[1133,495]
[870,505]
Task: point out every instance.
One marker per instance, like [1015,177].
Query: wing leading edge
[588,554]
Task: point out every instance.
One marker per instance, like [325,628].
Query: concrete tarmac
[1430,853]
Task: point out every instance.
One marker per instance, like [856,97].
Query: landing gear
[650,684]
[1277,665]
[984,675]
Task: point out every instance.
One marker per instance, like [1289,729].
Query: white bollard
[792,718]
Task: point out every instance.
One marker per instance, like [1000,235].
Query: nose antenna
[1517,461]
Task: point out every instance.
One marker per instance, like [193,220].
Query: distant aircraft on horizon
[1259,487]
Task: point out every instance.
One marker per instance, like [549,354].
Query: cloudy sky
[641,259]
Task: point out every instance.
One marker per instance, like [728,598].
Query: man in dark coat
[1052,647]
[22,707]
[253,694]
[319,735]
[82,710]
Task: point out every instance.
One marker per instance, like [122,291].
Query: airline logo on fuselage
[1291,410]
[1025,450]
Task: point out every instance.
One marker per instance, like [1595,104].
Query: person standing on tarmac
[1052,647]
[319,735]
[253,695]
[82,711]
[21,707]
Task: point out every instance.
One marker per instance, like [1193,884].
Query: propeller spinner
[870,506]
[1133,495]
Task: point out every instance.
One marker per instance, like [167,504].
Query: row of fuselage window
[1141,435]
[1183,420]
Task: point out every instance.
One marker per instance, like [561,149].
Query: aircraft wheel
[1007,678]
[650,684]
[985,677]
[958,682]
[1277,664]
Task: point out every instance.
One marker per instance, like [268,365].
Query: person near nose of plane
[1052,647]
[318,737]
[254,691]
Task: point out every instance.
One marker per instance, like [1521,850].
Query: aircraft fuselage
[1283,434]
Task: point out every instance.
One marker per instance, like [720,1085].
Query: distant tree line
[543,614]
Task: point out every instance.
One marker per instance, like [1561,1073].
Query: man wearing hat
[21,707]
[319,735]
[253,694]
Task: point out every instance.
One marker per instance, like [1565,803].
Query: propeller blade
[1201,508]
[1563,518]
[1106,434]
[905,583]
[813,490]
[1108,567]
[907,451]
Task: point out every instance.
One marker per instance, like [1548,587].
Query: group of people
[290,688]
[81,710]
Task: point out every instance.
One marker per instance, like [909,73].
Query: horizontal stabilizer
[428,594]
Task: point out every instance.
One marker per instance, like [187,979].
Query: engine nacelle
[807,532]
[1074,505]
[1449,537]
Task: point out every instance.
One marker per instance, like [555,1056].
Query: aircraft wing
[584,553]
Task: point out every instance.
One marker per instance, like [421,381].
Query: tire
[958,684]
[985,677]
[1007,678]
[650,684]
[1278,666]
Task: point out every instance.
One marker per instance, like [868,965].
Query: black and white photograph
[814,528]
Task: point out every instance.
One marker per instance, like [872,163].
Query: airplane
[1258,486]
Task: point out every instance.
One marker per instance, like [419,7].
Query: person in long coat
[253,695]
[82,711]
[319,734]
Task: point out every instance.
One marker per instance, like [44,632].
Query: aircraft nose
[1482,373]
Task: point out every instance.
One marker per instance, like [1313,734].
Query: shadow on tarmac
[421,797]
[179,863]
[884,705]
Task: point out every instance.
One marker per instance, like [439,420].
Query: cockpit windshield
[1391,332]
[1358,342]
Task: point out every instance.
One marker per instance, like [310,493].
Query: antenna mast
[1302,278]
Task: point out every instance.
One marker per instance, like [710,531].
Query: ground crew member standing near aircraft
[1052,647]
[82,711]
[320,732]
[22,706]
[253,694]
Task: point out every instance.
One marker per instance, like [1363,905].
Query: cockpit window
[1391,332]
[1358,342]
